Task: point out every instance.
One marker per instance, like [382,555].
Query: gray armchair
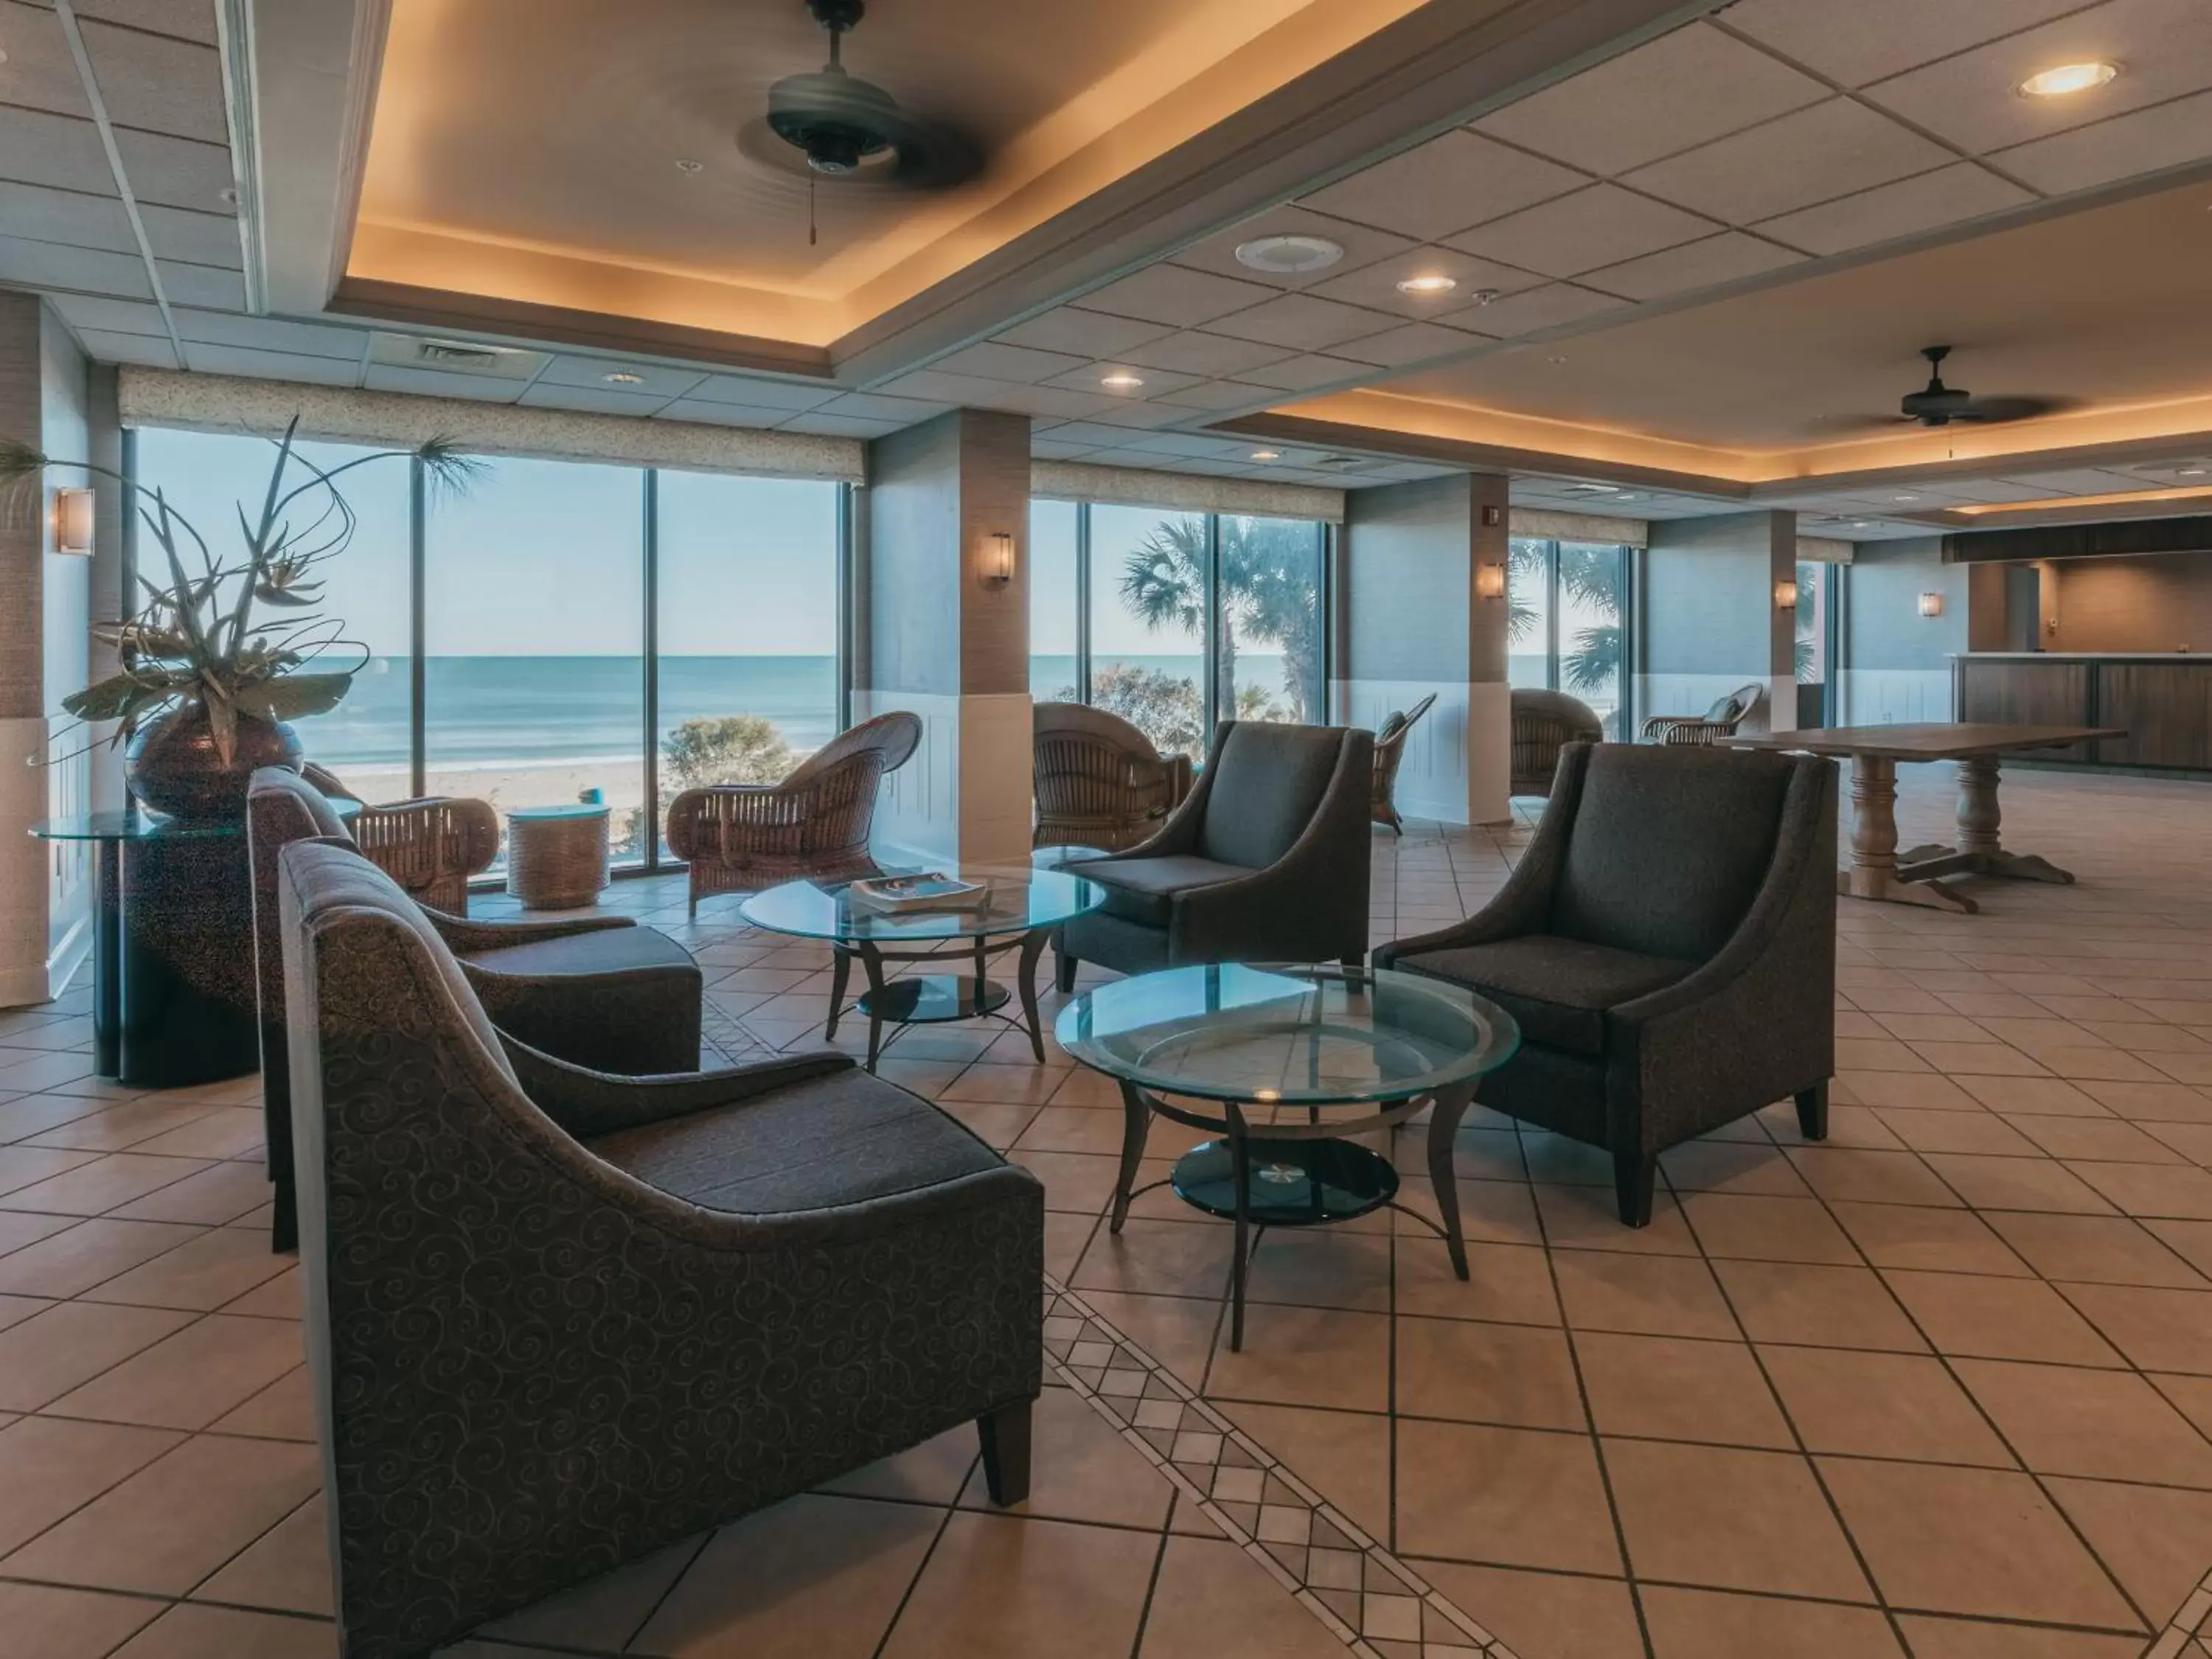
[557,1320]
[1265,860]
[599,991]
[1668,943]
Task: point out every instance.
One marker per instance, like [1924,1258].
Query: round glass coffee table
[1020,911]
[1284,1064]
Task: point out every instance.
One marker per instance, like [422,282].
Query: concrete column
[1710,623]
[45,891]
[945,637]
[1414,621]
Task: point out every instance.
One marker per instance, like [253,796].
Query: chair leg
[284,1215]
[1063,970]
[1813,1111]
[1005,1436]
[1632,1175]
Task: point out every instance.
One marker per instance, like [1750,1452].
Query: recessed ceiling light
[687,166]
[1860,523]
[1428,285]
[1905,498]
[1120,380]
[2064,78]
[1289,256]
[1266,455]
[1483,297]
[1560,358]
[620,378]
[2188,472]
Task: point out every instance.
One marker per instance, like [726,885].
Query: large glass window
[1056,603]
[747,667]
[1567,623]
[534,641]
[1149,601]
[1271,619]
[1528,613]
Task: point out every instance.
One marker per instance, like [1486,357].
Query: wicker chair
[742,837]
[1719,721]
[1389,750]
[1544,723]
[1099,781]
[430,847]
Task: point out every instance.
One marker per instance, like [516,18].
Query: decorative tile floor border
[1369,1599]
[2189,1635]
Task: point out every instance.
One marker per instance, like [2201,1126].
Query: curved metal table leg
[1240,1157]
[1033,944]
[1443,1132]
[1136,1124]
[841,971]
[873,963]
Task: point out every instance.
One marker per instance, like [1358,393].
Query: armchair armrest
[585,1103]
[465,937]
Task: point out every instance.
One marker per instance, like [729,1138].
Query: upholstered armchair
[1717,722]
[1266,860]
[1390,753]
[599,991]
[1099,782]
[1544,723]
[1668,943]
[430,845]
[558,1319]
[742,837]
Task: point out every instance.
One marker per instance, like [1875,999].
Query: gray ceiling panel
[157,83]
[200,239]
[174,172]
[39,149]
[51,265]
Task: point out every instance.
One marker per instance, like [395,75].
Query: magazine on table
[924,889]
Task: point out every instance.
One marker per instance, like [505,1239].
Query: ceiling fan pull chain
[810,200]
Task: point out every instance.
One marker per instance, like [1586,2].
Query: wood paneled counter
[2162,699]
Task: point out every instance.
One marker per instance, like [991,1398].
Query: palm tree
[1269,583]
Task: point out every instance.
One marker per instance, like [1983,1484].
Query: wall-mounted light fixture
[999,559]
[1785,595]
[73,523]
[1490,581]
[1931,604]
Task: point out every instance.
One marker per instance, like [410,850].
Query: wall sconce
[1785,595]
[1931,604]
[1490,581]
[998,560]
[73,523]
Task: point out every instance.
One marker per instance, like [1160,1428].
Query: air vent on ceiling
[1342,464]
[455,357]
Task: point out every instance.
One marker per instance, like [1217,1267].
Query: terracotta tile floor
[1941,1388]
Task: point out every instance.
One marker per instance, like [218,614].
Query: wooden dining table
[1877,869]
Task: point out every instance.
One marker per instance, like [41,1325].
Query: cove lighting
[2067,78]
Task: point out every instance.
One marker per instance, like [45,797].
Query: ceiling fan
[1937,405]
[831,124]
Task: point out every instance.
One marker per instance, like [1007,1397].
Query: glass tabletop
[1289,1035]
[136,823]
[1016,899]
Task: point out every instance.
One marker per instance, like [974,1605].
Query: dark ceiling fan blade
[918,155]
[1992,411]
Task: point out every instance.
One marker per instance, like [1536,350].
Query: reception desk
[2161,700]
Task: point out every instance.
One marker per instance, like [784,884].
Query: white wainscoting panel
[966,795]
[1459,756]
[1893,697]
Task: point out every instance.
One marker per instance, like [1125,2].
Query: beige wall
[2155,604]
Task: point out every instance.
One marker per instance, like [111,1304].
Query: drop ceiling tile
[437,383]
[1174,296]
[1304,373]
[206,358]
[1993,489]
[39,214]
[1600,226]
[1129,413]
[1545,308]
[1055,403]
[590,373]
[1302,322]
[1867,40]
[200,239]
[994,361]
[1728,257]
[50,264]
[786,395]
[874,406]
[39,149]
[1195,444]
[174,172]
[1086,380]
[209,287]
[1219,395]
[838,426]
[2171,135]
[1410,343]
[1947,196]
[1683,89]
[592,399]
[146,350]
[2164,48]
[1377,286]
[1362,244]
[1199,353]
[936,386]
[157,83]
[1081,333]
[1809,155]
[1090,434]
[269,334]
[2065,481]
[85,311]
[39,73]
[1448,184]
[1044,449]
[186,21]
[707,414]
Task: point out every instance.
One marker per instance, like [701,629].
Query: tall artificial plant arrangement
[202,636]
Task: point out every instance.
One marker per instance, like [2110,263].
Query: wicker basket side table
[556,856]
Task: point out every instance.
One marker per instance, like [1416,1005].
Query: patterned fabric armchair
[430,847]
[1099,782]
[1544,723]
[742,837]
[1389,752]
[1668,944]
[596,990]
[1719,721]
[558,1319]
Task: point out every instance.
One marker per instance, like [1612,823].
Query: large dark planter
[172,764]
